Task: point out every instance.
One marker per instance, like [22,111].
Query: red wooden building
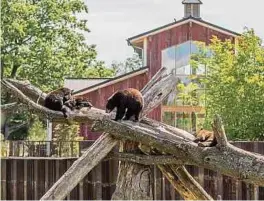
[171,46]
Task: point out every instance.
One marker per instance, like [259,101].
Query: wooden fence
[29,177]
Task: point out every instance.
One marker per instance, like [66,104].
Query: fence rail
[28,178]
[21,148]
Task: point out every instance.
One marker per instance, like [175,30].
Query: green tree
[37,131]
[235,84]
[130,64]
[43,41]
[65,135]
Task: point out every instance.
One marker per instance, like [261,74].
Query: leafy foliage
[43,41]
[3,146]
[64,134]
[37,131]
[235,84]
[130,64]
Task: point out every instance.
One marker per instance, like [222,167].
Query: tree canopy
[234,84]
[130,64]
[43,41]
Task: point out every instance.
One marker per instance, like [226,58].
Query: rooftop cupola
[192,8]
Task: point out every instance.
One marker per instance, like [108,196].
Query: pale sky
[113,21]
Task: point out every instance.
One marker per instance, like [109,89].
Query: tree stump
[134,180]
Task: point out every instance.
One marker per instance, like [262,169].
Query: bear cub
[128,102]
[62,100]
[78,104]
[205,138]
[56,100]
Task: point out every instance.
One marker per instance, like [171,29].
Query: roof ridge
[112,79]
[179,21]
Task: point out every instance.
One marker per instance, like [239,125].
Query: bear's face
[110,105]
[67,94]
[80,103]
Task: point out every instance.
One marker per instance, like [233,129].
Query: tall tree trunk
[134,180]
[2,68]
[14,71]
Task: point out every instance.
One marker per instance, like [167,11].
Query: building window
[191,99]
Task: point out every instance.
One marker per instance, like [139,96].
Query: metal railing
[23,148]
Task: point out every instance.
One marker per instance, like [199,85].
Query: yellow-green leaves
[235,84]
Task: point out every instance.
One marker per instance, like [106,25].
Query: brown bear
[205,138]
[129,99]
[56,100]
[77,104]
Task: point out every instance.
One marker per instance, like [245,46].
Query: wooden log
[233,161]
[133,181]
[219,132]
[181,180]
[145,159]
[157,93]
[160,74]
[80,168]
[189,182]
[29,90]
[176,183]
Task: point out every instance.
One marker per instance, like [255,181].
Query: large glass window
[177,61]
[177,58]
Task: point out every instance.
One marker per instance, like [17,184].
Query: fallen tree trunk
[230,160]
[29,90]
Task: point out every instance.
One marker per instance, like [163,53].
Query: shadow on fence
[26,175]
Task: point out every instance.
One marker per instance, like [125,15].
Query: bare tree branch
[29,90]
[219,132]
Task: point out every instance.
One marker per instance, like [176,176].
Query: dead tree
[153,138]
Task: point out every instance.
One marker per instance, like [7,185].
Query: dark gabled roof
[180,21]
[192,2]
[156,29]
[110,80]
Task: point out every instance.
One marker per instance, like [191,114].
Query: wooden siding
[99,97]
[175,36]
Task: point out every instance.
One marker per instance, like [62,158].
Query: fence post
[14,180]
[25,179]
[49,136]
[36,180]
[3,179]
